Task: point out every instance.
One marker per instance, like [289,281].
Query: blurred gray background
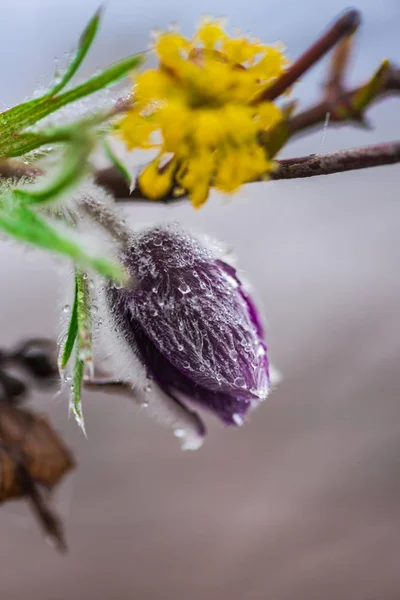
[302,503]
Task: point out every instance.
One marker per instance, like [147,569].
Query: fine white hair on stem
[99,206]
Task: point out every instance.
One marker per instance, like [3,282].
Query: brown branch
[315,116]
[342,27]
[16,169]
[343,106]
[292,168]
[338,162]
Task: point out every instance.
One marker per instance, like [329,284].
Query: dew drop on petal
[240,382]
[237,419]
[179,433]
[184,288]
[66,309]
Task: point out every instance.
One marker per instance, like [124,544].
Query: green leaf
[84,356]
[98,82]
[27,114]
[13,121]
[78,132]
[84,318]
[368,92]
[118,164]
[75,405]
[275,138]
[73,167]
[72,332]
[24,225]
[84,44]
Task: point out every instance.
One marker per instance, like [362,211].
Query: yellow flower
[199,103]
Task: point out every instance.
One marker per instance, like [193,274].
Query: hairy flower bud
[191,324]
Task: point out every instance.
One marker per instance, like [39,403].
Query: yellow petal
[171,48]
[210,33]
[155,183]
[150,86]
[135,130]
[175,122]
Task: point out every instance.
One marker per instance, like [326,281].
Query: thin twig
[338,162]
[387,83]
[292,168]
[299,167]
[342,27]
[315,116]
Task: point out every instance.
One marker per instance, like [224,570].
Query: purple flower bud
[192,325]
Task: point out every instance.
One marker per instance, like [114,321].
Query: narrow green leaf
[84,44]
[84,356]
[72,332]
[368,92]
[24,225]
[275,138]
[84,318]
[118,164]
[77,132]
[98,82]
[14,120]
[74,167]
[75,405]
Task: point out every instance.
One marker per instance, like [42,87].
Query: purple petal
[191,323]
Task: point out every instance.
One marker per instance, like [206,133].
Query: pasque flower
[199,101]
[191,327]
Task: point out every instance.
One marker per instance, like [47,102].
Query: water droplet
[186,365]
[180,347]
[66,309]
[179,433]
[68,378]
[237,419]
[154,290]
[147,388]
[184,288]
[95,308]
[240,382]
[84,276]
